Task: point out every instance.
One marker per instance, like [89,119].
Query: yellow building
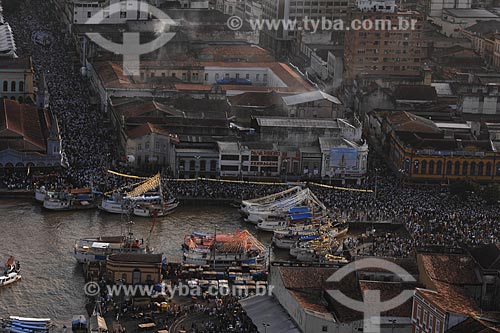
[16,79]
[134,268]
[422,149]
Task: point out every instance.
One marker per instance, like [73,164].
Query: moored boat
[10,272]
[72,200]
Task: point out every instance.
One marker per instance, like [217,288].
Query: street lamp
[266,325]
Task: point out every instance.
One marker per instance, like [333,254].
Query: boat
[223,250]
[117,203]
[97,249]
[247,205]
[27,325]
[10,272]
[73,200]
[40,193]
[156,208]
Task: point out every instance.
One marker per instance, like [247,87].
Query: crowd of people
[431,215]
[87,147]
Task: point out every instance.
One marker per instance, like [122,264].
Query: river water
[52,282]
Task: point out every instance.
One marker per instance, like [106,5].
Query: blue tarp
[310,237]
[302,216]
[298,210]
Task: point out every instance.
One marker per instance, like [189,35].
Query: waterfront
[52,282]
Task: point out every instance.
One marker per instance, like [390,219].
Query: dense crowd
[431,215]
[86,148]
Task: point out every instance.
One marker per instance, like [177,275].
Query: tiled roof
[415,93]
[16,63]
[147,128]
[450,299]
[311,300]
[304,278]
[139,109]
[456,269]
[388,291]
[408,122]
[23,122]
[483,27]
[255,99]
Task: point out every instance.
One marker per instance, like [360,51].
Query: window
[206,76]
[456,170]
[146,146]
[488,169]
[229,168]
[473,168]
[437,328]
[203,165]
[13,86]
[123,14]
[265,77]
[244,157]
[216,76]
[324,328]
[230,157]
[439,167]
[419,313]
[257,77]
[89,14]
[174,75]
[480,169]
[449,165]
[465,167]
[226,75]
[213,165]
[431,321]
[423,167]
[426,317]
[431,167]
[415,166]
[139,147]
[247,76]
[5,86]
[192,165]
[237,75]
[157,145]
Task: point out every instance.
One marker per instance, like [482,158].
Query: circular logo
[234,23]
[91,289]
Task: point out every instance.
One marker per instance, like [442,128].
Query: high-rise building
[388,41]
[278,40]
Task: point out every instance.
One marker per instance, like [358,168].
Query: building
[279,40]
[29,137]
[134,268]
[478,33]
[313,104]
[151,147]
[421,149]
[392,50]
[194,160]
[343,159]
[304,293]
[452,296]
[435,7]
[453,20]
[16,77]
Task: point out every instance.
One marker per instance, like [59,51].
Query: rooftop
[16,63]
[408,122]
[483,27]
[297,122]
[469,13]
[310,96]
[137,257]
[454,269]
[148,128]
[415,93]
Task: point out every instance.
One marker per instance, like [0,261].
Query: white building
[343,159]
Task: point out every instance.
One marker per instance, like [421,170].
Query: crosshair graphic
[131,48]
[372,306]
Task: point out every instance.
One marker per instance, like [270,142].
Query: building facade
[16,77]
[134,268]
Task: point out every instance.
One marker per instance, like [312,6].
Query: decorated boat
[224,250]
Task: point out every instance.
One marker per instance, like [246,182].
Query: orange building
[421,149]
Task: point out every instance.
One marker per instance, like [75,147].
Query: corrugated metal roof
[265,309]
[310,97]
[296,122]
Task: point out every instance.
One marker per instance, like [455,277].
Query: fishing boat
[73,200]
[10,272]
[99,248]
[247,205]
[224,250]
[117,203]
[157,208]
[291,219]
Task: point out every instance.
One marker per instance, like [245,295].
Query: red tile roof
[146,129]
[450,299]
[454,269]
[22,122]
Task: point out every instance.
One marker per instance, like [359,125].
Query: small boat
[40,194]
[73,200]
[10,272]
[116,204]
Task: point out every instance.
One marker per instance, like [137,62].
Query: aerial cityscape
[273,166]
